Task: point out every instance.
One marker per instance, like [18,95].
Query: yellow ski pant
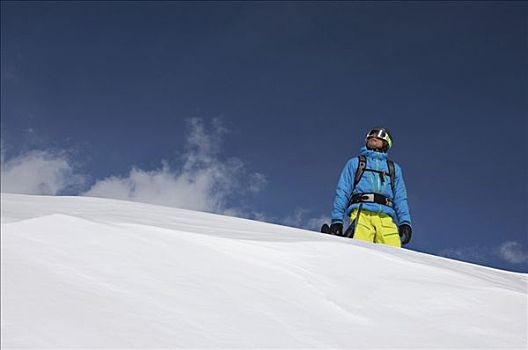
[375,227]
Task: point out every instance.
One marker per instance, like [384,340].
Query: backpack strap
[392,173]
[362,164]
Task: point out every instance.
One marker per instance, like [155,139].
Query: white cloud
[257,182]
[509,251]
[204,181]
[513,252]
[474,253]
[300,219]
[38,172]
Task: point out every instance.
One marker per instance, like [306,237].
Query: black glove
[336,228]
[405,232]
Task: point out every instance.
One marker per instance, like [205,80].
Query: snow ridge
[88,272]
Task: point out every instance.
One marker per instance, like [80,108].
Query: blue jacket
[371,183]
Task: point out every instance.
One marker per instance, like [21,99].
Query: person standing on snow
[371,192]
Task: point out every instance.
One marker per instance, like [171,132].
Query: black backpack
[362,167]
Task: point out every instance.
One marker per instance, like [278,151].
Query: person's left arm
[401,205]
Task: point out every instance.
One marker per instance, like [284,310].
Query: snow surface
[88,272]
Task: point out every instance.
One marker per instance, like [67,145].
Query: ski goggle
[380,134]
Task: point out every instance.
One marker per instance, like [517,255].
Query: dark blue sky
[297,84]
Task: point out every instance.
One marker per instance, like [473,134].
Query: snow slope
[87,272]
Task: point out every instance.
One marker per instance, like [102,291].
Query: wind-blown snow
[88,272]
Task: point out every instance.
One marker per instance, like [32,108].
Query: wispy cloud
[204,180]
[510,251]
[301,218]
[39,172]
[513,252]
[475,254]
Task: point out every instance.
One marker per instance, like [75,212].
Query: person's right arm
[344,190]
